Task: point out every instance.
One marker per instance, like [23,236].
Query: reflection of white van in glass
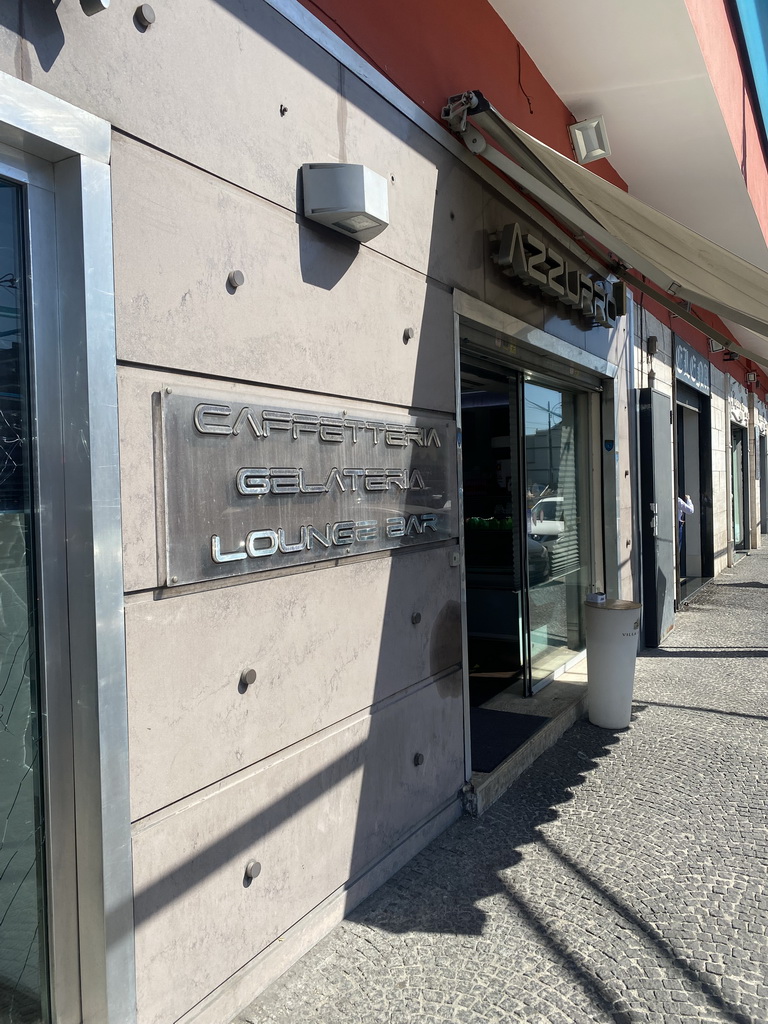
[547,518]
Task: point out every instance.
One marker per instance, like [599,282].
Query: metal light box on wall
[348,198]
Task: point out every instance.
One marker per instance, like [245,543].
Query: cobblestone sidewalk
[621,879]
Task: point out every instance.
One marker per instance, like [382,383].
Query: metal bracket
[456,110]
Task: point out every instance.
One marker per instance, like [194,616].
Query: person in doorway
[684,508]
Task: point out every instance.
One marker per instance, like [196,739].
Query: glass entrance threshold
[691,584]
[553,710]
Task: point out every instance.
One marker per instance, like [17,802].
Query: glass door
[738,498]
[557,500]
[22,885]
[493,535]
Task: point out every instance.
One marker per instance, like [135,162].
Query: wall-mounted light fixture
[730,356]
[590,140]
[715,346]
[349,198]
[751,377]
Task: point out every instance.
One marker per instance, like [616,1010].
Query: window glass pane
[21,835]
[557,499]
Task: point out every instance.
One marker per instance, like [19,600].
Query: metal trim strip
[48,127]
[479,312]
[36,126]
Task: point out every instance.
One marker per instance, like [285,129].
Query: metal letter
[354,475]
[554,285]
[335,475]
[375,480]
[413,526]
[229,556]
[275,419]
[253,536]
[343,533]
[395,435]
[253,481]
[245,416]
[305,423]
[288,548]
[366,529]
[537,258]
[284,481]
[572,296]
[587,293]
[212,410]
[306,488]
[315,535]
[511,255]
[396,526]
[331,429]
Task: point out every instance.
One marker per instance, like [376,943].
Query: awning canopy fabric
[677,259]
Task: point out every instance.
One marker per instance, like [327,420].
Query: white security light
[590,141]
[349,198]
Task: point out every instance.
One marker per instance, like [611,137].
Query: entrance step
[563,702]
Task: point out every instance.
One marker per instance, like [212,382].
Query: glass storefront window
[22,934]
[557,502]
[738,476]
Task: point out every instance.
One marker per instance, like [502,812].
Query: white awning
[679,261]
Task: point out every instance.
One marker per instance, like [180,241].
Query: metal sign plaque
[691,368]
[254,483]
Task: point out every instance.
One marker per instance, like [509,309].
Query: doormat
[497,734]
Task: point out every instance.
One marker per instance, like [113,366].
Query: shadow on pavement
[651,934]
[420,899]
[688,707]
[443,889]
[705,652]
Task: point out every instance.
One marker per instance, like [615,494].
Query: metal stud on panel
[252,869]
[145,15]
[247,678]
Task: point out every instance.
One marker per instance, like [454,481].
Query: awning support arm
[690,318]
[551,194]
[517,162]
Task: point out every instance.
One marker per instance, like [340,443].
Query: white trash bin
[612,630]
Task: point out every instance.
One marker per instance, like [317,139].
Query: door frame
[513,340]
[61,155]
[746,517]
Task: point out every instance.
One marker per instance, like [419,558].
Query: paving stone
[620,879]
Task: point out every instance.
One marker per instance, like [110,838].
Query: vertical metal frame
[51,605]
[82,627]
[525,611]
[462,558]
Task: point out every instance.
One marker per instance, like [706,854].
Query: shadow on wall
[36,22]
